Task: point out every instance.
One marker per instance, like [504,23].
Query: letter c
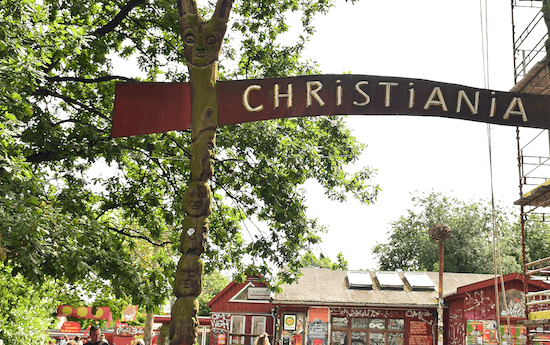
[245,99]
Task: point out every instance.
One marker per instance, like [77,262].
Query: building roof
[324,286]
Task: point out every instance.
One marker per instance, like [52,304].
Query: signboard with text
[142,108]
[260,293]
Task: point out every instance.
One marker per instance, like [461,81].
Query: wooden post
[440,302]
[202,43]
[440,233]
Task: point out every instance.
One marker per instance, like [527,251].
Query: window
[367,331]
[199,338]
[258,325]
[203,335]
[237,329]
[206,335]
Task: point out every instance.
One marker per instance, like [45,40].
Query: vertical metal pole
[522,223]
[514,48]
[440,303]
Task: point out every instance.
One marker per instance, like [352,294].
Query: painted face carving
[202,44]
[197,199]
[188,282]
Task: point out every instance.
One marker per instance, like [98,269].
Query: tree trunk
[148,332]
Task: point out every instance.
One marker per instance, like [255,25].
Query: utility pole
[440,233]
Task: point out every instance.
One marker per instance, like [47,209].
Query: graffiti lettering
[422,315]
[478,303]
[220,322]
[364,313]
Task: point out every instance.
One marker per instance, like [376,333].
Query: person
[64,340]
[96,338]
[78,340]
[103,341]
[262,340]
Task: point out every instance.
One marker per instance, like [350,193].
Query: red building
[326,307]
[474,309]
[241,312]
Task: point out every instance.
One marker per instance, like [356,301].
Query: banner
[101,313]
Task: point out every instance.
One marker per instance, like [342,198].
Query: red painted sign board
[70,327]
[318,313]
[160,107]
[145,108]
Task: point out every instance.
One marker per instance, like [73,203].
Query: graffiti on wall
[478,305]
[421,315]
[457,330]
[220,324]
[512,303]
[366,313]
[415,314]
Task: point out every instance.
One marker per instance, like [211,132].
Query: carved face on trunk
[188,282]
[193,236]
[197,199]
[202,156]
[202,43]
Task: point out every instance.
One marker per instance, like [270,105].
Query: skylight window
[419,281]
[359,279]
[389,280]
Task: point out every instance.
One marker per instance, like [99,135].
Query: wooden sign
[142,108]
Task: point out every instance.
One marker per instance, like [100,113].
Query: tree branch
[90,81]
[71,101]
[50,155]
[140,236]
[113,23]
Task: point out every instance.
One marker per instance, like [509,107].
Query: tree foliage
[26,308]
[214,282]
[77,206]
[470,248]
[311,260]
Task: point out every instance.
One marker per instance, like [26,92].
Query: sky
[426,39]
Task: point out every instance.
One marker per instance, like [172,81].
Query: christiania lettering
[391,94]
